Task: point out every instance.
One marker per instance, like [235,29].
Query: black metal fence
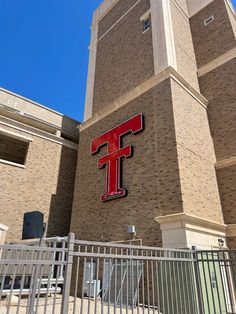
[71,276]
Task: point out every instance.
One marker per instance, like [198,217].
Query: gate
[217,280]
[72,276]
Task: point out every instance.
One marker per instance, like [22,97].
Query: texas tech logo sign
[115,153]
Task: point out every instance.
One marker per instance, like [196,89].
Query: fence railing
[72,276]
[217,275]
[31,276]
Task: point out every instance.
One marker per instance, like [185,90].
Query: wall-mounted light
[221,242]
[132,231]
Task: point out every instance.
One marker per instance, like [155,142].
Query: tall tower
[143,66]
[215,25]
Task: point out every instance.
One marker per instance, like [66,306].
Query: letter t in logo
[115,152]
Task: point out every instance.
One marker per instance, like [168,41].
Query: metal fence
[71,276]
[216,274]
[32,276]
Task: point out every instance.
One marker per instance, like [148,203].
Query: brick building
[38,153]
[173,61]
[170,64]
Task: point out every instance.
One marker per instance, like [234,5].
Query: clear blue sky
[44,51]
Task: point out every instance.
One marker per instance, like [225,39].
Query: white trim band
[228,56]
[16,135]
[3,227]
[226,162]
[162,36]
[184,231]
[168,73]
[36,132]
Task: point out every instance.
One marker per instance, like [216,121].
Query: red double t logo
[115,152]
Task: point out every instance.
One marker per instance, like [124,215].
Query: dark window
[13,149]
[147,23]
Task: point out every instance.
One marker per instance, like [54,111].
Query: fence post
[68,274]
[198,281]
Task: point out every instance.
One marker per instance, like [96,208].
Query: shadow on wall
[61,202]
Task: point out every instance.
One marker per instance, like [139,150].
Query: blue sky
[44,51]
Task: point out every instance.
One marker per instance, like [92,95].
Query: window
[13,149]
[209,20]
[147,23]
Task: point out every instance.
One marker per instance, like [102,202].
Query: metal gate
[71,276]
[217,281]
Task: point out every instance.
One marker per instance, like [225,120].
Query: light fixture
[221,242]
[132,231]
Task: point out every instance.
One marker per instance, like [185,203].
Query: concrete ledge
[3,227]
[168,73]
[184,230]
[15,125]
[228,56]
[3,231]
[191,219]
[226,162]
[194,6]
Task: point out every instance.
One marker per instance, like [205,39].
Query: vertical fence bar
[76,281]
[115,288]
[97,276]
[83,282]
[68,274]
[169,281]
[198,283]
[35,282]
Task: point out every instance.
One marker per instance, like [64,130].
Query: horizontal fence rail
[217,271]
[116,278]
[32,277]
[82,277]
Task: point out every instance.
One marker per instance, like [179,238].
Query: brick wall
[215,39]
[46,184]
[218,86]
[124,55]
[121,7]
[172,169]
[186,61]
[196,157]
[231,242]
[150,176]
[227,185]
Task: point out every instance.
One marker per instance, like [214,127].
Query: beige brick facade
[173,168]
[217,84]
[186,61]
[46,181]
[119,68]
[181,179]
[215,39]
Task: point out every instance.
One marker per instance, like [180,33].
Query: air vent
[209,20]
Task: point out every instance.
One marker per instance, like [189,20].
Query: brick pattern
[46,184]
[218,86]
[215,39]
[196,157]
[172,170]
[124,58]
[186,61]
[150,176]
[115,14]
[227,185]
[231,242]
